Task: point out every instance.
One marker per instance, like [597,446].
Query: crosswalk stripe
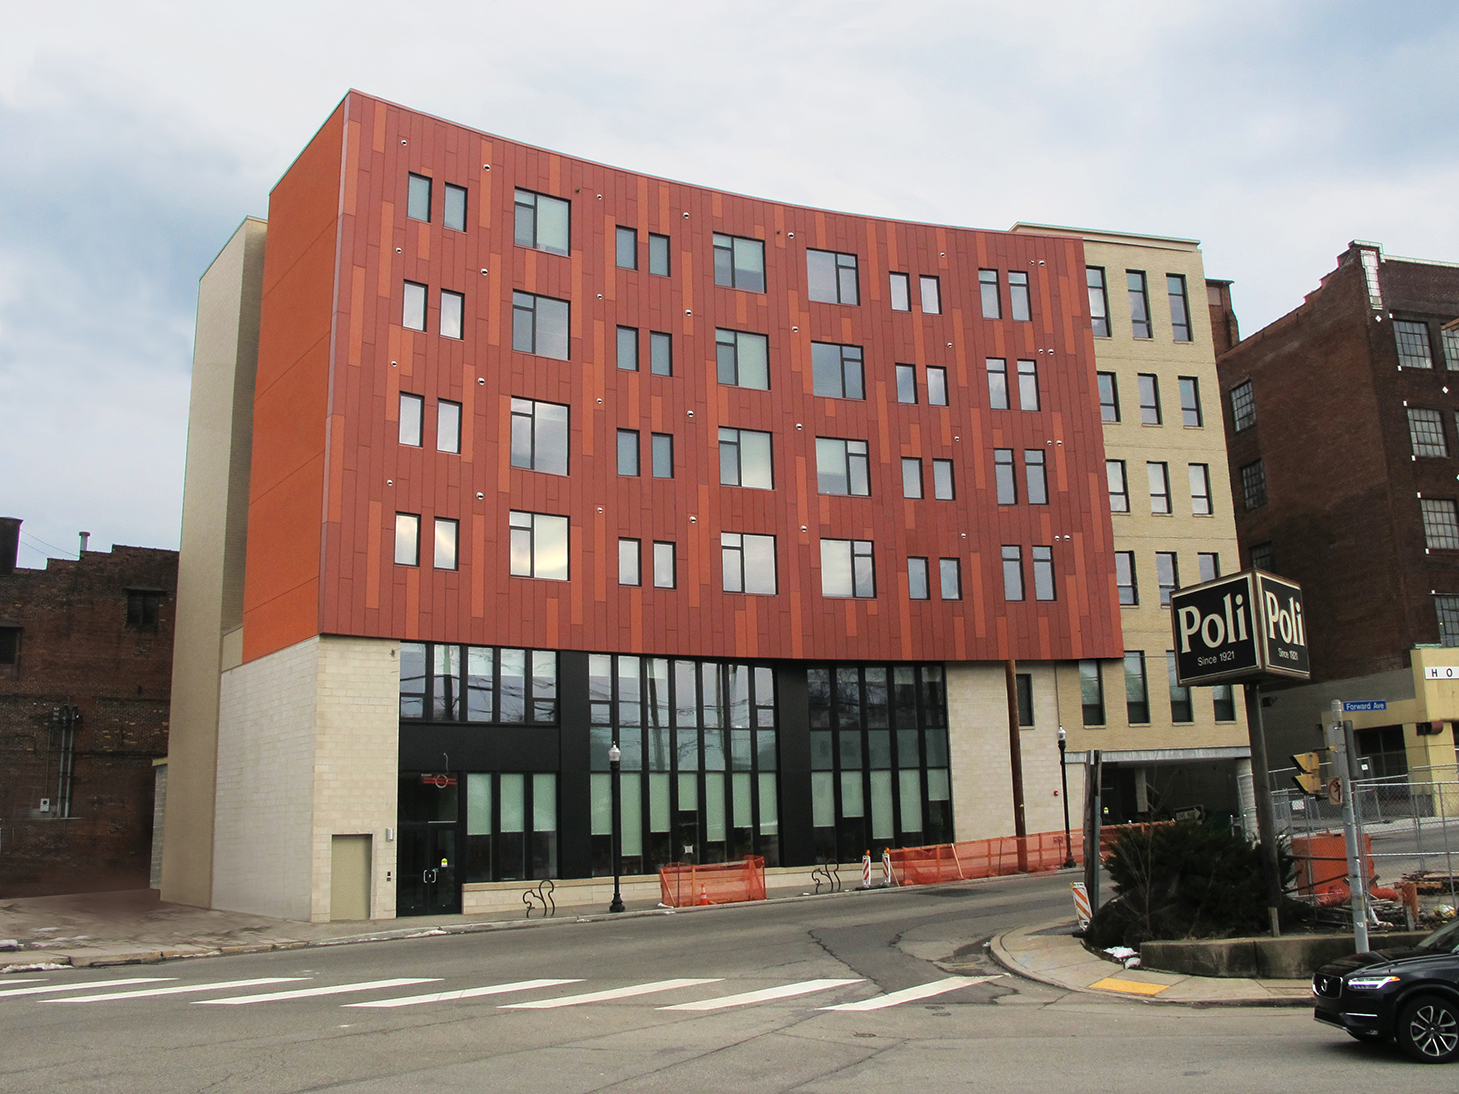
[804,987]
[178,989]
[911,995]
[304,993]
[464,993]
[24,979]
[88,984]
[612,993]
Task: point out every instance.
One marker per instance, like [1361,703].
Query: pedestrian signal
[1309,776]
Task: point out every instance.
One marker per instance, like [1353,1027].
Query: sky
[135,137]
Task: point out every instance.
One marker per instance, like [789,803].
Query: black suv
[1408,995]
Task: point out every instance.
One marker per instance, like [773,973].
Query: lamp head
[614,753]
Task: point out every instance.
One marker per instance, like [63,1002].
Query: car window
[1444,940]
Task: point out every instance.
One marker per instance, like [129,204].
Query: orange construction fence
[1322,868]
[684,884]
[995,857]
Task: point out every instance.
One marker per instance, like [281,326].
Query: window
[1012,573]
[448,426]
[1018,295]
[1109,397]
[1180,320]
[1441,523]
[446,531]
[988,288]
[662,450]
[1208,566]
[628,452]
[539,325]
[831,277]
[1004,479]
[739,263]
[1125,577]
[917,579]
[936,386]
[1023,693]
[1447,608]
[1253,485]
[660,353]
[1200,479]
[1190,402]
[539,436]
[453,306]
[748,562]
[901,292]
[1137,696]
[836,371]
[846,568]
[744,459]
[629,560]
[1091,693]
[743,358]
[911,477]
[997,383]
[1043,573]
[412,408]
[539,545]
[1167,575]
[627,250]
[1243,407]
[407,539]
[1035,477]
[1450,338]
[842,467]
[506,686]
[906,383]
[144,607]
[1149,389]
[1413,344]
[1263,557]
[1028,385]
[1139,303]
[1159,475]
[1180,698]
[628,348]
[542,222]
[1098,305]
[418,198]
[10,636]
[455,211]
[942,480]
[931,295]
[658,255]
[413,311]
[664,572]
[1119,488]
[950,573]
[1223,702]
[1426,432]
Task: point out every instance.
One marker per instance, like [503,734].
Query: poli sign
[1245,628]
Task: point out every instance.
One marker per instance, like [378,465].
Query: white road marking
[612,993]
[88,984]
[465,993]
[304,993]
[804,987]
[178,989]
[911,995]
[22,980]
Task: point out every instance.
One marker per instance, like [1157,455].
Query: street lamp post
[615,754]
[1064,779]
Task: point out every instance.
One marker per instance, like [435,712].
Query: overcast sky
[135,136]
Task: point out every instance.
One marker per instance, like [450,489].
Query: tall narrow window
[539,325]
[628,348]
[1091,692]
[1098,302]
[1125,577]
[1028,385]
[538,546]
[1253,485]
[660,353]
[1180,697]
[847,568]
[743,359]
[1043,573]
[1109,397]
[539,436]
[1243,406]
[446,531]
[1413,344]
[836,371]
[831,277]
[739,263]
[1119,488]
[453,307]
[407,539]
[10,636]
[1018,302]
[1012,573]
[1180,319]
[1167,575]
[1223,702]
[988,289]
[663,455]
[412,408]
[901,292]
[1159,475]
[931,295]
[950,576]
[1004,477]
[1139,303]
[542,222]
[413,310]
[1441,523]
[448,426]
[1200,478]
[1035,477]
[748,563]
[917,579]
[1137,695]
[1447,609]
[626,251]
[1208,566]
[1149,388]
[744,459]
[630,553]
[906,383]
[1426,432]
[842,467]
[911,477]
[1449,336]
[997,383]
[658,255]
[1190,402]
[936,385]
[1023,693]
[628,452]
[942,480]
[454,211]
[664,570]
[418,199]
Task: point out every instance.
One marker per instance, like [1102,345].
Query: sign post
[1337,743]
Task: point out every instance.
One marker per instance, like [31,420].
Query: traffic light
[1308,777]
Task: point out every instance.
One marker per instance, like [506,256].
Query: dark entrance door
[427,867]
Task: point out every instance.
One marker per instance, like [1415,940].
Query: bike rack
[541,893]
[830,873]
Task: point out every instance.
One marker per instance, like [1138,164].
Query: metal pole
[1093,776]
[1064,779]
[615,755]
[1266,822]
[1015,762]
[1360,840]
[1337,742]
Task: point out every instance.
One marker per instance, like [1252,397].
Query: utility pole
[1337,743]
[1266,821]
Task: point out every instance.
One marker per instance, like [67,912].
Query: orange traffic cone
[703,895]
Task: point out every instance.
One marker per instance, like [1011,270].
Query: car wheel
[1367,1036]
[1428,1029]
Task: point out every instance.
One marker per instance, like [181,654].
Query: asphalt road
[730,999]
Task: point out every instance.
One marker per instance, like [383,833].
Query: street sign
[1365,704]
[1334,791]
[1245,628]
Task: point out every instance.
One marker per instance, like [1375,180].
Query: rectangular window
[901,292]
[1023,693]
[453,307]
[1167,575]
[1012,573]
[1190,402]
[1208,566]
[1426,432]
[1262,557]
[407,539]
[1018,303]
[1125,577]
[412,409]
[1091,692]
[1180,320]
[628,452]
[542,222]
[448,426]
[1098,304]
[1035,477]
[831,277]
[1149,389]
[1449,336]
[847,568]
[1413,344]
[950,574]
[539,436]
[906,383]
[1004,478]
[743,359]
[1223,702]
[988,288]
[664,571]
[1137,696]
[143,613]
[539,325]
[836,371]
[1441,523]
[1253,485]
[413,311]
[626,251]
[739,263]
[629,562]
[446,531]
[1243,407]
[1159,475]
[936,386]
[744,459]
[1109,397]
[911,477]
[1119,488]
[917,579]
[842,467]
[748,562]
[1139,303]
[1043,573]
[418,199]
[628,348]
[942,480]
[997,383]
[539,545]
[1447,609]
[1028,385]
[931,295]
[658,255]
[660,353]
[10,636]
[454,214]
[1200,479]
[1180,697]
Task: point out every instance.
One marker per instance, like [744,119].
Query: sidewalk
[1050,954]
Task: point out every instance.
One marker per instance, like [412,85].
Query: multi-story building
[498,457]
